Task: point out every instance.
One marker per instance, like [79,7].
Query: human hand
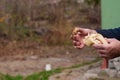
[78,36]
[110,50]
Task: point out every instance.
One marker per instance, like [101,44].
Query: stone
[111,72]
[118,74]
[117,65]
[116,62]
[32,57]
[117,59]
[110,64]
[88,76]
[95,70]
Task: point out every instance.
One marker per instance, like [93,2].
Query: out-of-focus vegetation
[48,22]
[93,3]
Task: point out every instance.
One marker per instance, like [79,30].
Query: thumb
[110,40]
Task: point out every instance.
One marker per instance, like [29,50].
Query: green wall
[110,13]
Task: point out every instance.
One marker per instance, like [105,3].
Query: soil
[25,58]
[89,72]
[30,60]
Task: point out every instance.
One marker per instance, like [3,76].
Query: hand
[110,50]
[79,36]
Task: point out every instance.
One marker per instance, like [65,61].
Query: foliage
[44,75]
[19,18]
[94,3]
[8,77]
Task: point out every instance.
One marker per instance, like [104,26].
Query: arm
[110,33]
[113,48]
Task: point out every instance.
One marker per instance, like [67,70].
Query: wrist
[91,31]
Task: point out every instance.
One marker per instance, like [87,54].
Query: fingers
[78,44]
[103,55]
[79,33]
[110,40]
[76,37]
[102,51]
[99,46]
[83,31]
[79,29]
[77,40]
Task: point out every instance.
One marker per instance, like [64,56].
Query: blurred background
[39,30]
[47,22]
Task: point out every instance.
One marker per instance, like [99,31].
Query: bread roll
[95,38]
[92,38]
[75,30]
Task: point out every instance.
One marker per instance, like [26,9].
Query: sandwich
[94,38]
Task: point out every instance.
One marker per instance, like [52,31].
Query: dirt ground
[89,72]
[30,60]
[25,58]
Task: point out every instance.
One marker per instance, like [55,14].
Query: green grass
[44,75]
[8,77]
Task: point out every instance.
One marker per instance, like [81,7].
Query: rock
[111,72]
[118,74]
[88,76]
[117,59]
[92,74]
[95,70]
[32,57]
[117,65]
[116,62]
[111,65]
